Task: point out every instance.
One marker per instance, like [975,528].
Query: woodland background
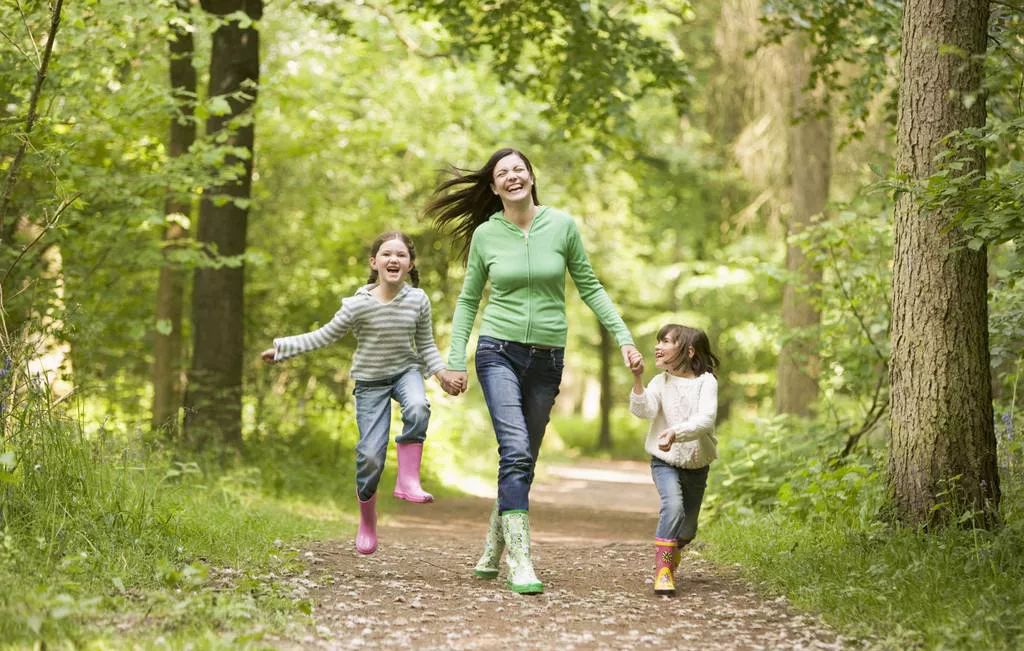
[832,190]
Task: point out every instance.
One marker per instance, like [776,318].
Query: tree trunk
[942,460]
[214,397]
[810,167]
[604,439]
[167,341]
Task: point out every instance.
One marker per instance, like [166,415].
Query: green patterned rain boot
[494,545]
[515,528]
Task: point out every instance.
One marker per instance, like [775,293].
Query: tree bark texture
[167,347]
[942,459]
[214,396]
[604,438]
[810,165]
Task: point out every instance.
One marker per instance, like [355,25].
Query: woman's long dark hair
[703,360]
[460,211]
[414,273]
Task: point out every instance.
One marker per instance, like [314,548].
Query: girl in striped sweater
[395,350]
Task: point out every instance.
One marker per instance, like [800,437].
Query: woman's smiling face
[511,179]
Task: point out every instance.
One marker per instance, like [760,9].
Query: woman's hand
[268,355]
[633,359]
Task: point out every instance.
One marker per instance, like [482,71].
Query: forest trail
[592,545]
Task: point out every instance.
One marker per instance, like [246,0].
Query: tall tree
[942,459]
[809,146]
[167,343]
[213,406]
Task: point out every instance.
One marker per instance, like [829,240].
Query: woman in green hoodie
[523,249]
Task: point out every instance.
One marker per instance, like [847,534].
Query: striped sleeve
[425,344]
[338,327]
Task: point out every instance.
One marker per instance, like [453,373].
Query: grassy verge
[100,547]
[899,588]
[815,536]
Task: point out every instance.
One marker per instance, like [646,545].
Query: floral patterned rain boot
[677,555]
[515,529]
[665,550]
[494,545]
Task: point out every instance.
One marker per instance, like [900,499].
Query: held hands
[665,440]
[453,382]
[268,356]
[633,359]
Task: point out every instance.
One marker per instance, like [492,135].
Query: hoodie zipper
[529,270]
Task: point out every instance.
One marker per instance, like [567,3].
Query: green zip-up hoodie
[527,274]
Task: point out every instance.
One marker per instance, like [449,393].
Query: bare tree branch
[31,36]
[853,308]
[30,120]
[16,46]
[49,225]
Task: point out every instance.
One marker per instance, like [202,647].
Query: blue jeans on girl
[519,383]
[373,416]
[681,491]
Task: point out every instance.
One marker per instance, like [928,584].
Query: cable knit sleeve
[647,404]
[703,420]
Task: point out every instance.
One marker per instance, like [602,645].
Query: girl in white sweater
[681,403]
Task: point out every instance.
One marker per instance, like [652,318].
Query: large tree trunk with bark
[214,398]
[167,341]
[810,165]
[942,459]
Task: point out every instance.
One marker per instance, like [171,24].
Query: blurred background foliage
[670,155]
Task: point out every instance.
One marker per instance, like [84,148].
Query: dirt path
[593,527]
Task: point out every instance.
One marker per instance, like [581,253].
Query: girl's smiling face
[392,262]
[668,353]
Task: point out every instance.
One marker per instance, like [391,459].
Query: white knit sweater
[686,405]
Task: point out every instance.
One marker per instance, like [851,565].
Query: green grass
[101,545]
[900,588]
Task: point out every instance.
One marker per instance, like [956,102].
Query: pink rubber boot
[366,537]
[407,486]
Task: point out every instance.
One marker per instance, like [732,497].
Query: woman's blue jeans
[373,416]
[519,383]
[681,491]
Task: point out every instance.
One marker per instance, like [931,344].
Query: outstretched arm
[335,329]
[594,295]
